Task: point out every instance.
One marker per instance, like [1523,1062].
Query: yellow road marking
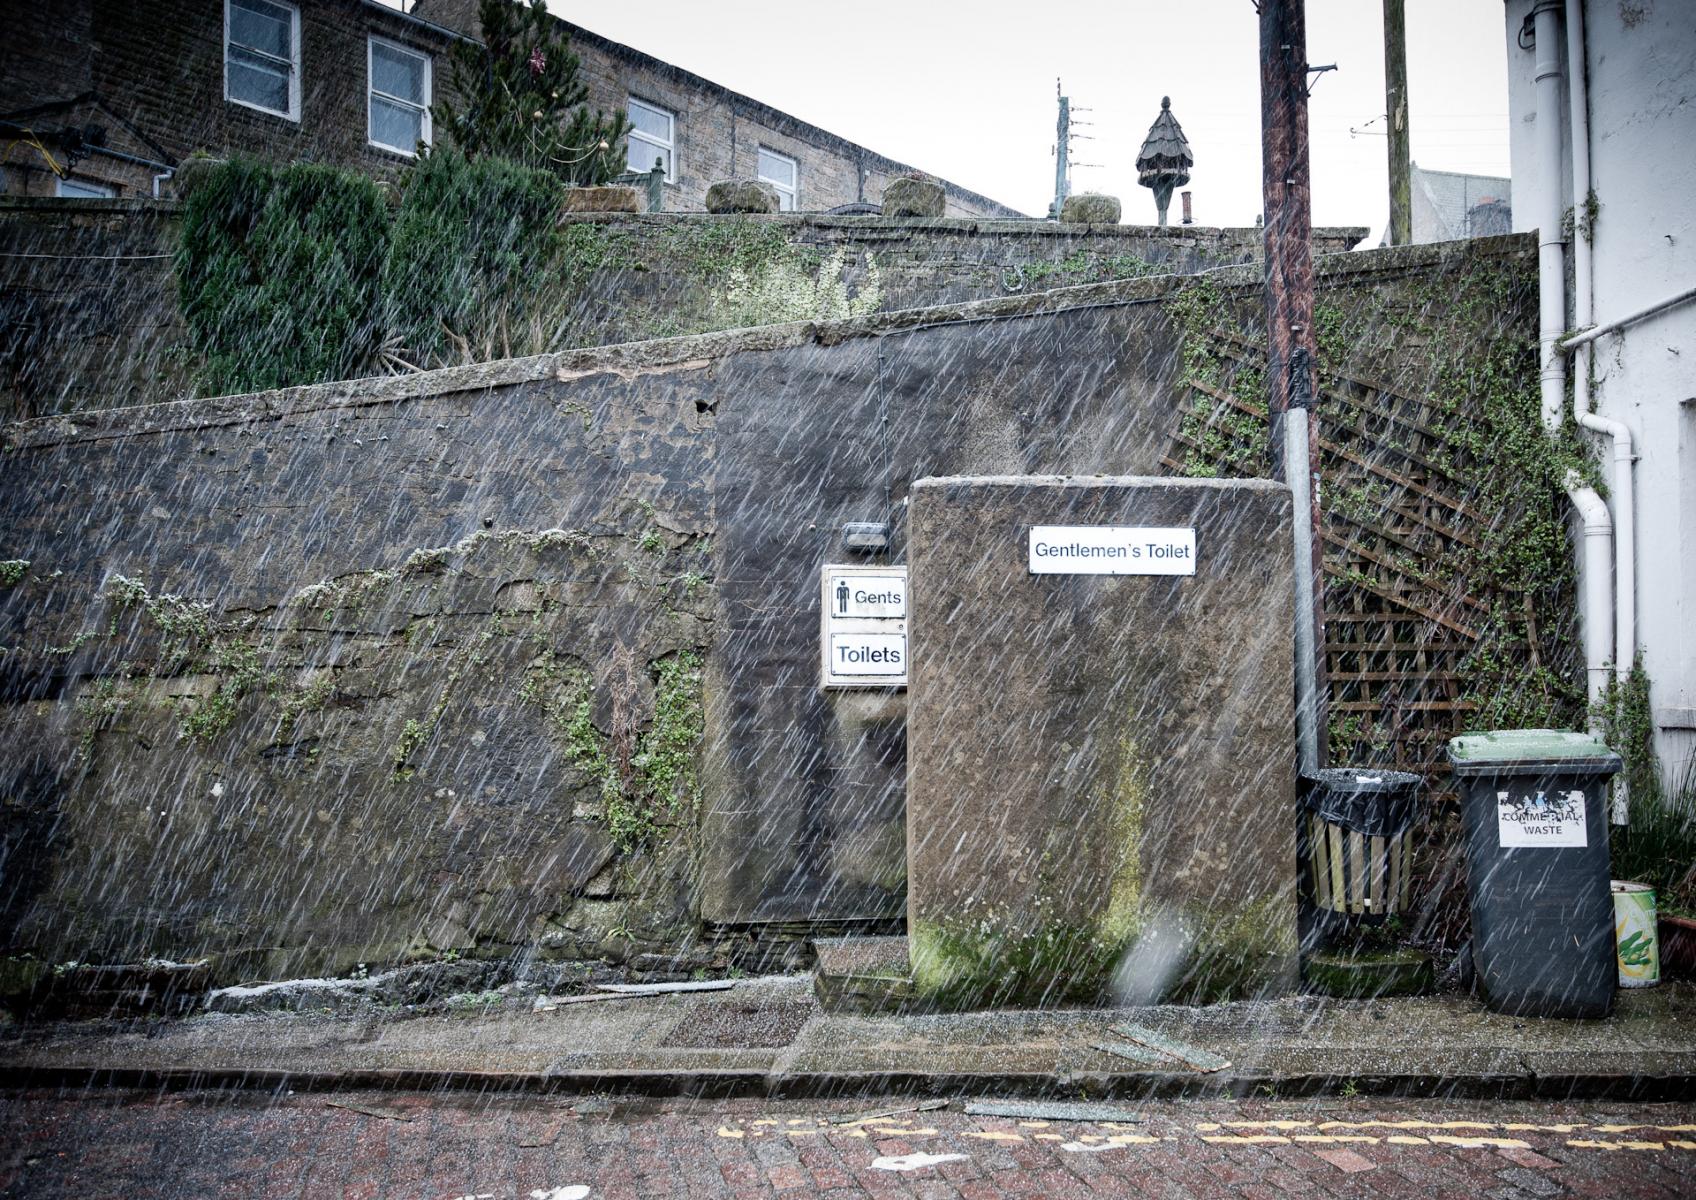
[1253,1139]
[994,1135]
[1049,1137]
[729,1133]
[1591,1145]
[1403,1139]
[1268,1125]
[1333,1138]
[1481,1143]
[1407,1125]
[1033,1124]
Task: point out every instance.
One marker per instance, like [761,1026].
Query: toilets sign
[864,626]
[1111,550]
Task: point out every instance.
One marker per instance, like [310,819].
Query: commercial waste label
[1541,818]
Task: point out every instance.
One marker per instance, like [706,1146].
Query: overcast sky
[966,91]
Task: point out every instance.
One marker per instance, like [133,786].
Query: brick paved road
[110,1144]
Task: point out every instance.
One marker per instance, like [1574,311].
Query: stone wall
[409,666]
[88,289]
[88,305]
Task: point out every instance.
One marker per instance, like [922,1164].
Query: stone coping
[631,359]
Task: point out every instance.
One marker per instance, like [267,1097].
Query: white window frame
[793,191]
[293,114]
[86,189]
[648,139]
[371,90]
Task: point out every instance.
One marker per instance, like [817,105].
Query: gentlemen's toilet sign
[864,630]
[1111,550]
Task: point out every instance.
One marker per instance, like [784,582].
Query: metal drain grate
[739,1026]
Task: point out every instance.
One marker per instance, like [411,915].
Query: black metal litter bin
[1354,839]
[1536,832]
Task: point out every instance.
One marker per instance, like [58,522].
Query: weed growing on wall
[783,289]
[277,273]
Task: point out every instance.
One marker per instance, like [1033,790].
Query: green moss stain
[653,795]
[991,955]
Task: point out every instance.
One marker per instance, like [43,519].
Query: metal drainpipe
[1625,506]
[1598,527]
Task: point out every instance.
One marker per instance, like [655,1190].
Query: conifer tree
[517,97]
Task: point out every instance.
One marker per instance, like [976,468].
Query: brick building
[108,96]
[120,91]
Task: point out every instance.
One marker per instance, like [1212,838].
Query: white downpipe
[1298,471]
[1624,495]
[1551,272]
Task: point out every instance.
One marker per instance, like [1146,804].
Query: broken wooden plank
[1058,1110]
[664,989]
[1201,1060]
[1136,1053]
[549,1003]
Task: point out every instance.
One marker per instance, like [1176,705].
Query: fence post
[656,186]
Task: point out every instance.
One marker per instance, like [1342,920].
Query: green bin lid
[1531,752]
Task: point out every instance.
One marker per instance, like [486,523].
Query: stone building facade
[108,97]
[708,133]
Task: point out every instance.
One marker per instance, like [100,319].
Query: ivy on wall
[1449,575]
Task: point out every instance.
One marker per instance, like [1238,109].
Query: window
[83,189]
[651,130]
[399,101]
[262,56]
[783,174]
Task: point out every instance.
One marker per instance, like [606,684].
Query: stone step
[864,975]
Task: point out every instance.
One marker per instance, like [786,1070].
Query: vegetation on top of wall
[468,246]
[515,95]
[277,273]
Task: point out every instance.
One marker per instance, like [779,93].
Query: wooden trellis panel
[1400,619]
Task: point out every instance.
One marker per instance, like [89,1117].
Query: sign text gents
[1111,550]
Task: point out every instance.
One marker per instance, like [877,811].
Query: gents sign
[1111,550]
[863,631]
[868,596]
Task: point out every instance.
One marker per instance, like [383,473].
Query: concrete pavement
[770,1037]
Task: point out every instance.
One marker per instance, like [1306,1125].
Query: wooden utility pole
[1290,346]
[1395,109]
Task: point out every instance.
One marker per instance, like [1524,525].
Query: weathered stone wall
[88,306]
[333,674]
[87,289]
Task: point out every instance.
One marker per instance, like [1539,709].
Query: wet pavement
[437,1146]
[770,1037]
